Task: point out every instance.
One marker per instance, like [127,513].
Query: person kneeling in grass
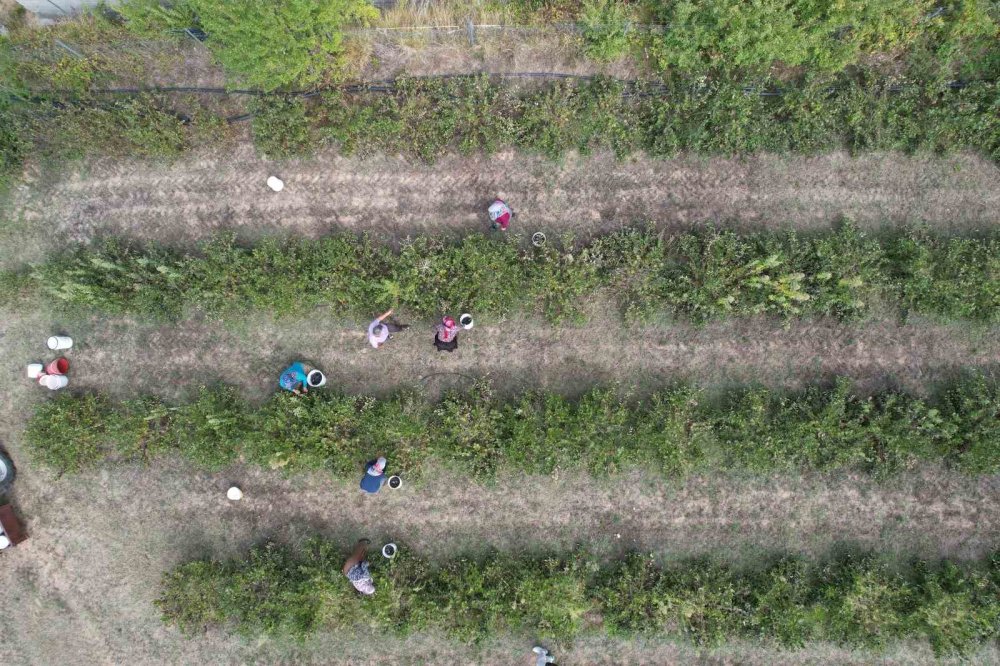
[356,569]
[295,378]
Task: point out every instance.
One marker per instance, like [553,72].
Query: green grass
[848,598]
[695,276]
[674,432]
[860,112]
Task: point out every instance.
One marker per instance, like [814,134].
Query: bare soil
[122,356]
[397,196]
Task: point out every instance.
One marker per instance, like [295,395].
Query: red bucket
[60,366]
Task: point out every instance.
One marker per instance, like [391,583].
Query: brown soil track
[398,197]
[122,356]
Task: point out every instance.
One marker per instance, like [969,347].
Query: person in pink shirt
[446,335]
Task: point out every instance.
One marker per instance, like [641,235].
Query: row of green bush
[674,432]
[431,117]
[698,276]
[748,36]
[300,42]
[778,35]
[849,598]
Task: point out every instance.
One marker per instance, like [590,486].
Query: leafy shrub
[672,431]
[697,276]
[734,35]
[276,45]
[79,433]
[281,128]
[849,598]
[605,26]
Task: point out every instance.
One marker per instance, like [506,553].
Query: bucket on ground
[395,482]
[466,321]
[57,342]
[316,379]
[389,551]
[4,542]
[234,493]
[35,370]
[60,366]
[275,183]
[53,382]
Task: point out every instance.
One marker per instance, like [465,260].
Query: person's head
[289,381]
[380,464]
[449,322]
[378,329]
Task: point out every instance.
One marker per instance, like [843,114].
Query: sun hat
[379,466]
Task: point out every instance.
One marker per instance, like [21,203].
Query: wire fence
[630,88]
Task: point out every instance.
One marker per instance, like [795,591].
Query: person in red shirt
[446,335]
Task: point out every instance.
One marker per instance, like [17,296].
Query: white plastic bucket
[4,542]
[316,379]
[53,382]
[234,493]
[466,321]
[395,482]
[389,551]
[60,342]
[275,183]
[35,370]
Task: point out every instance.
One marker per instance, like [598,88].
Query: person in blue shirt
[295,378]
[374,477]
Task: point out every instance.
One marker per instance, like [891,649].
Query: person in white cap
[380,329]
[374,477]
[542,656]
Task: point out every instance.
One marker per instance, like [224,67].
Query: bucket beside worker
[316,379]
[389,551]
[466,321]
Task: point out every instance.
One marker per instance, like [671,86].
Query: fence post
[471,30]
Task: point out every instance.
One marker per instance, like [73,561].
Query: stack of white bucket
[53,376]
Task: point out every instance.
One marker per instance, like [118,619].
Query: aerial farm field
[731,395]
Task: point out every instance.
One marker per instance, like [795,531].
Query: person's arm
[383,317]
[357,556]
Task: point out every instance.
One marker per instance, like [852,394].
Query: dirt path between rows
[396,197]
[172,360]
